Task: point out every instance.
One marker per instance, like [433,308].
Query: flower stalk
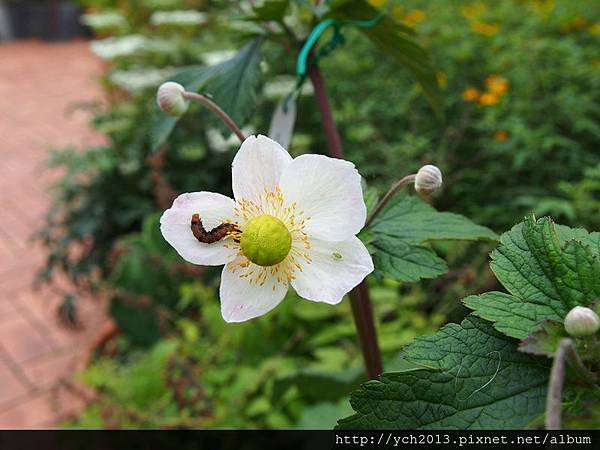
[566,353]
[408,179]
[206,101]
[362,309]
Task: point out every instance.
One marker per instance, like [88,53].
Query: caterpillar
[216,234]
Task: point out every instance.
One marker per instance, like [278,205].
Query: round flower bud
[170,98]
[582,322]
[428,179]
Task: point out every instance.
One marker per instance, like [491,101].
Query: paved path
[38,84]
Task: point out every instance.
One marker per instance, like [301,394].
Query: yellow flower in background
[442,79]
[594,28]
[488,99]
[496,84]
[378,3]
[496,87]
[470,94]
[398,12]
[500,135]
[543,7]
[579,23]
[414,17]
[487,29]
[473,11]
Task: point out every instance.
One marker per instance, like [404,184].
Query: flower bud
[428,179]
[582,322]
[170,98]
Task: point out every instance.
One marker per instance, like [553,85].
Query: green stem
[362,309]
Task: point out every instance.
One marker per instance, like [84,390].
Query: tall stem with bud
[362,309]
[172,99]
[427,180]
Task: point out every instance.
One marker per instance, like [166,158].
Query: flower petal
[242,300]
[257,165]
[328,190]
[175,225]
[336,268]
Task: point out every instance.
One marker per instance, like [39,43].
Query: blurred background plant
[519,95]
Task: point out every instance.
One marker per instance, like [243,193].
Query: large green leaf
[396,40]
[399,232]
[233,84]
[546,269]
[472,377]
[236,87]
[405,261]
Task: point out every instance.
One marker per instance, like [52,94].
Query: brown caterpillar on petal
[216,234]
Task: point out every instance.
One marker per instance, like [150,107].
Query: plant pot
[51,20]
[6,31]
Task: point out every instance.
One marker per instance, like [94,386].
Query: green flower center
[266,240]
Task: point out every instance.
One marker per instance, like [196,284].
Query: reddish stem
[362,309]
[334,142]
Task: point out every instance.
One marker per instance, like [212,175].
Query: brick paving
[39,85]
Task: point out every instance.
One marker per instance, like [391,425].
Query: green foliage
[235,89]
[233,85]
[144,280]
[270,372]
[296,366]
[490,177]
[395,40]
[270,10]
[472,378]
[545,340]
[583,196]
[404,226]
[547,272]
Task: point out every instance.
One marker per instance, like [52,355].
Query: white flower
[293,221]
[105,20]
[180,17]
[140,78]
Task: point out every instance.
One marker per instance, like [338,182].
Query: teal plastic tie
[336,40]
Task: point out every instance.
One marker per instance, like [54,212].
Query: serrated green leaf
[546,269]
[510,316]
[396,40]
[402,228]
[472,378]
